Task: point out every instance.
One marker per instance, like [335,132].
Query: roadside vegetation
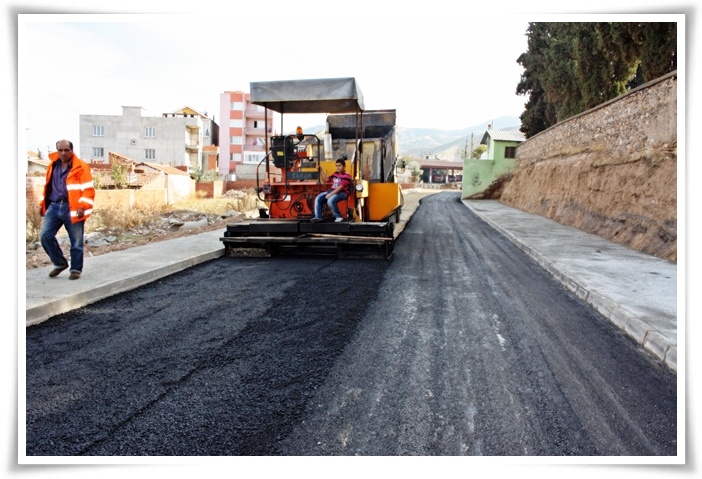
[570,67]
[116,218]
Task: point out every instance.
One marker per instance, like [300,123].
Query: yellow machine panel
[383,200]
[329,167]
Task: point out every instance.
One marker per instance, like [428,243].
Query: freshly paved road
[460,346]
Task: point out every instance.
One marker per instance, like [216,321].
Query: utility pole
[471,144]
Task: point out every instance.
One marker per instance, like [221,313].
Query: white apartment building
[176,138]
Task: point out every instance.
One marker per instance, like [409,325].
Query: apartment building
[176,138]
[242,135]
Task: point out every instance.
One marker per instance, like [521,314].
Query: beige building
[176,138]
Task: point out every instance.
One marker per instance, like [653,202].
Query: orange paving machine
[289,177]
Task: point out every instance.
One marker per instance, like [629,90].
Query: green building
[498,160]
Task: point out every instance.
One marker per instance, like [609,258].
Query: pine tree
[572,67]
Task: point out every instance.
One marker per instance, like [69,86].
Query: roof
[44,163]
[169,170]
[324,95]
[441,164]
[186,110]
[503,135]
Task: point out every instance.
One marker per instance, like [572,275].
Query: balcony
[257,114]
[249,130]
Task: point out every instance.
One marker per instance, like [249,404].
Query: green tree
[572,67]
[196,173]
[415,170]
[209,176]
[539,112]
[476,153]
[120,175]
[404,161]
[650,46]
[205,176]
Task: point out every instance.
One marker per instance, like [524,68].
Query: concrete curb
[652,340]
[128,269]
[40,313]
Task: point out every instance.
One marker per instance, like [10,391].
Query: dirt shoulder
[37,257]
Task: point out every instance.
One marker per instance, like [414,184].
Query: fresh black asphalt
[461,345]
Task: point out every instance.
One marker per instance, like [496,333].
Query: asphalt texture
[219,359]
[462,345]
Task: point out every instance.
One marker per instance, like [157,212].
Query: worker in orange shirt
[67,201]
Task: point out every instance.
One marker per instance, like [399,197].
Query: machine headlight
[359,187]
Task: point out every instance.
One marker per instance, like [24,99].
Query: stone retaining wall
[611,170]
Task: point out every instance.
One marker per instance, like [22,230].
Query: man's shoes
[315,220]
[56,271]
[338,220]
[74,275]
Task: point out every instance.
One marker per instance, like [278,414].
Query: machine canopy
[326,95]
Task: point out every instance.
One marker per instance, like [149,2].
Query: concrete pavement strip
[109,274]
[635,291]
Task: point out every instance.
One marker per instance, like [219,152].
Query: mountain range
[446,144]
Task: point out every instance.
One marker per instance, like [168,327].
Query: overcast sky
[446,69]
[436,75]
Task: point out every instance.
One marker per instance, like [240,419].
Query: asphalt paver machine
[288,179]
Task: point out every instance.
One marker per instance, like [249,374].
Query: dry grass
[33,223]
[218,206]
[117,217]
[120,218]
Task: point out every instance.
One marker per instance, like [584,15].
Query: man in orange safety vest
[67,201]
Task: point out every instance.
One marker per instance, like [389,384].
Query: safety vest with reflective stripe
[79,184]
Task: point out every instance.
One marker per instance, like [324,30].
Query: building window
[236,105]
[234,156]
[149,132]
[510,151]
[150,154]
[236,123]
[254,158]
[235,140]
[98,152]
[98,130]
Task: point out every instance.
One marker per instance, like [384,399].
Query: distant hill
[445,144]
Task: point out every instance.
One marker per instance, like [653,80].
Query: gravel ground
[117,240]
